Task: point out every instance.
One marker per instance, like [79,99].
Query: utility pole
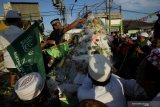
[59,5]
[121,26]
[62,9]
[86,9]
[106,14]
[106,8]
[63,15]
[110,16]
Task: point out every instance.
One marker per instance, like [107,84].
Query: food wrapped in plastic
[95,29]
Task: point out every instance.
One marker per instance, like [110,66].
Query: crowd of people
[125,68]
[130,50]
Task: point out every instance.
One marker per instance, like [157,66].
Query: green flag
[26,52]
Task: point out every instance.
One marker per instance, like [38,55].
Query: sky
[143,6]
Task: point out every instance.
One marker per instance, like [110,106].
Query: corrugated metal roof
[135,24]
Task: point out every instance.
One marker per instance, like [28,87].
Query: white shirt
[6,38]
[132,88]
[155,101]
[112,94]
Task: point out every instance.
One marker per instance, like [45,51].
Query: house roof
[135,24]
[24,2]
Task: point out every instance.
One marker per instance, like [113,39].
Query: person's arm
[43,44]
[46,42]
[74,24]
[139,50]
[132,89]
[86,90]
[51,42]
[87,83]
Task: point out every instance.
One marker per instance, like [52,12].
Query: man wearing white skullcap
[142,47]
[144,37]
[105,87]
[13,20]
[137,52]
[100,85]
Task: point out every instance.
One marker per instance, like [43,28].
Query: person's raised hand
[52,42]
[138,49]
[82,20]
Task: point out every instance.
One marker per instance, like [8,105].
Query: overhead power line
[135,11]
[45,1]
[128,11]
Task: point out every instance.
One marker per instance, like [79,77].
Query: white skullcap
[29,86]
[144,34]
[12,14]
[99,68]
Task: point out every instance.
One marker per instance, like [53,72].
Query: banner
[26,52]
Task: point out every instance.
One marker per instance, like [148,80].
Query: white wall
[113,22]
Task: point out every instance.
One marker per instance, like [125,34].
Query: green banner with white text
[26,52]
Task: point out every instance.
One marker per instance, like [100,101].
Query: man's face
[142,39]
[58,25]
